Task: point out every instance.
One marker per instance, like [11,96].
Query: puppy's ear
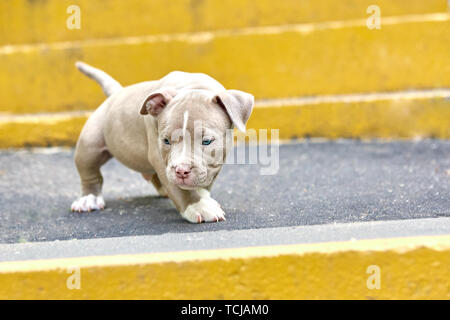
[237,104]
[157,101]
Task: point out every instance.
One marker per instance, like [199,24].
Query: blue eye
[206,142]
[166,141]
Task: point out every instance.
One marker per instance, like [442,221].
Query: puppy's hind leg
[90,154]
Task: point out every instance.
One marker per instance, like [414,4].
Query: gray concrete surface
[170,242]
[317,183]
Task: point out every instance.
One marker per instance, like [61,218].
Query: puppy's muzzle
[183,171]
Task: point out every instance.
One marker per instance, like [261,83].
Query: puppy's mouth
[184,183]
[188,183]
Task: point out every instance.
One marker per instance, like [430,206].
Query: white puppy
[172,130]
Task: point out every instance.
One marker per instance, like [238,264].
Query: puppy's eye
[166,141]
[207,142]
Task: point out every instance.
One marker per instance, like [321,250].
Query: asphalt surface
[318,183]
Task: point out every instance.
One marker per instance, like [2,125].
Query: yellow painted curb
[401,268]
[403,118]
[387,116]
[24,21]
[43,131]
[285,62]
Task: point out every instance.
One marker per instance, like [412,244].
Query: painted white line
[269,103]
[207,36]
[354,98]
[42,117]
[167,242]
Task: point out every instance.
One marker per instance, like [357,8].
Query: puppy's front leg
[205,209]
[195,206]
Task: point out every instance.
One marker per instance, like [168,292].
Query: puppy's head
[192,127]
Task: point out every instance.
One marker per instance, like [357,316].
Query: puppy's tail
[108,84]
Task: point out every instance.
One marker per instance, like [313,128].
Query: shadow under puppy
[172,130]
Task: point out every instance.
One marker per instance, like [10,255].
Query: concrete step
[279,62]
[24,21]
[394,268]
[415,114]
[335,218]
[224,239]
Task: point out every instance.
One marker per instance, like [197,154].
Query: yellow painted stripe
[42,132]
[24,21]
[376,119]
[409,268]
[274,65]
[383,115]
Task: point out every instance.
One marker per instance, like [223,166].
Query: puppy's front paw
[88,203]
[206,210]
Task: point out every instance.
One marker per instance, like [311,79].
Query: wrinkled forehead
[193,110]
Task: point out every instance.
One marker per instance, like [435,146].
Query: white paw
[88,203]
[206,210]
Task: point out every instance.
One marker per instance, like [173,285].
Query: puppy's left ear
[237,104]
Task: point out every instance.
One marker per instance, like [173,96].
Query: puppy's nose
[183,170]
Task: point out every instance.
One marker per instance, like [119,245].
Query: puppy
[171,130]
